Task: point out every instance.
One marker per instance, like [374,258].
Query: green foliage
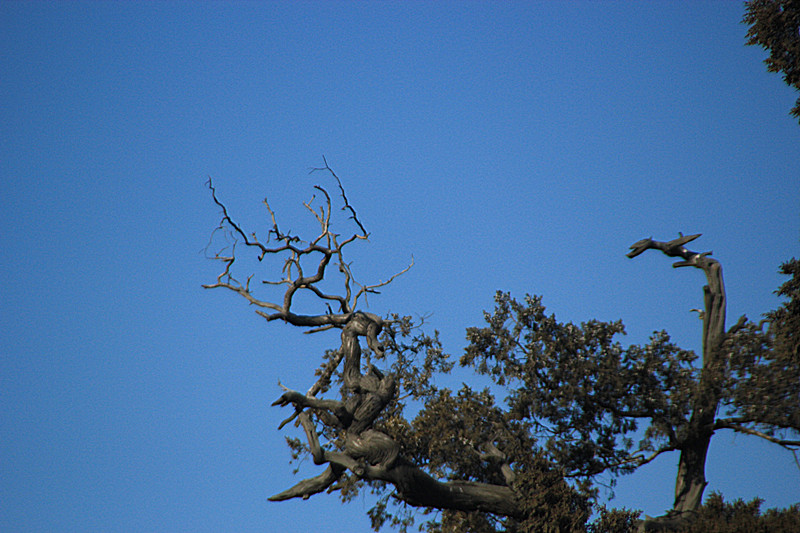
[763,379]
[379,515]
[580,390]
[448,438]
[614,521]
[449,430]
[775,25]
[551,505]
[785,321]
[458,522]
[574,397]
[717,516]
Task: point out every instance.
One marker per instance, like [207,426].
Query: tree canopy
[568,403]
[775,26]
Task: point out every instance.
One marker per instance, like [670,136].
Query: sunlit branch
[229,220]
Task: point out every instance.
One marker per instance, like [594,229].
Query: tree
[576,396]
[591,395]
[775,25]
[361,430]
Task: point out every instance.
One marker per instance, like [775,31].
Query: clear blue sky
[513,146]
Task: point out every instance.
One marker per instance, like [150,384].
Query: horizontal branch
[626,413]
[728,424]
[639,459]
[337,320]
[419,489]
[300,401]
[673,248]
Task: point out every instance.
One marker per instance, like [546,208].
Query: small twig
[347,205]
[229,220]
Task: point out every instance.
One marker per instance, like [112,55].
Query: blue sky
[513,146]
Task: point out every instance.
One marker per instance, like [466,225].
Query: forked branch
[325,246]
[347,205]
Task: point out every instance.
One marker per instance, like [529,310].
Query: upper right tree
[775,25]
[586,396]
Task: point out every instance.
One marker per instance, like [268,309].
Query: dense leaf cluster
[775,25]
[785,321]
[715,516]
[575,400]
[762,382]
[580,390]
[718,516]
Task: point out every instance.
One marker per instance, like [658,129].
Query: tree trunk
[691,479]
[693,443]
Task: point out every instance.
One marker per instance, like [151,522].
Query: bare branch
[235,286]
[326,244]
[316,484]
[340,418]
[347,205]
[673,248]
[639,459]
[229,220]
[693,445]
[728,424]
[357,446]
[371,288]
[311,486]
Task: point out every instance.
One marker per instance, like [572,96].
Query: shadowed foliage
[775,26]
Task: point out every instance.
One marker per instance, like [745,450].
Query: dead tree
[693,439]
[354,447]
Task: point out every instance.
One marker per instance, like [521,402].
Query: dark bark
[417,488]
[694,441]
[357,446]
[371,454]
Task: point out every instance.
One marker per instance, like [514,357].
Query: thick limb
[311,486]
[413,485]
[316,484]
[330,407]
[691,481]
